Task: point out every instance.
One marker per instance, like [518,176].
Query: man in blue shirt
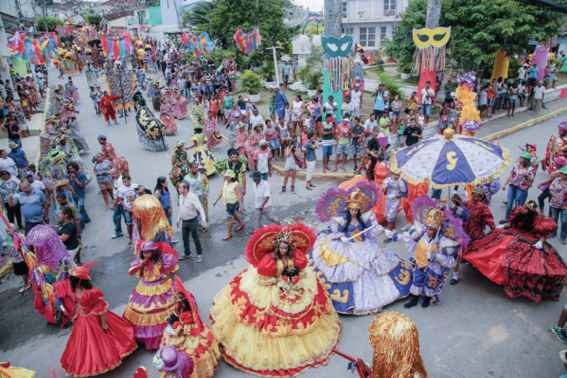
[19,157]
[532,75]
[380,103]
[78,181]
[281,100]
[285,74]
[35,207]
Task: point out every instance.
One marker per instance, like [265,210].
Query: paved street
[477,331]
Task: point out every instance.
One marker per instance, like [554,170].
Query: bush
[313,80]
[391,86]
[251,82]
[405,67]
[268,72]
[513,68]
[303,72]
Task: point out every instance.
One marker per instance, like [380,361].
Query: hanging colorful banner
[430,50]
[199,44]
[145,28]
[229,64]
[124,85]
[248,42]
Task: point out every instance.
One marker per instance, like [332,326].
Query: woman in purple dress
[151,302]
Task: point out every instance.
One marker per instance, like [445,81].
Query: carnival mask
[427,37]
[336,48]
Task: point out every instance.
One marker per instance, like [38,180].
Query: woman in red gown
[100,338]
[518,257]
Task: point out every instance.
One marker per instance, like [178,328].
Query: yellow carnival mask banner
[431,37]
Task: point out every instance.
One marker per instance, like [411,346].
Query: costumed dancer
[205,188]
[438,239]
[118,162]
[100,339]
[179,164]
[201,154]
[242,140]
[295,327]
[71,91]
[166,116]
[188,334]
[233,128]
[151,302]
[151,131]
[253,142]
[149,89]
[55,262]
[556,147]
[395,341]
[75,135]
[107,108]
[172,363]
[517,256]
[180,106]
[211,129]
[92,75]
[363,275]
[394,189]
[479,217]
[197,113]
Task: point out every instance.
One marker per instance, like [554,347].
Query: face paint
[431,37]
[337,47]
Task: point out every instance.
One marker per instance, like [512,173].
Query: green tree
[198,16]
[314,29]
[478,30]
[52,23]
[93,19]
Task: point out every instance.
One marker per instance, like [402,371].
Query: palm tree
[199,14]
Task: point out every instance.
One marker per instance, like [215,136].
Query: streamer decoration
[248,42]
[430,48]
[199,44]
[340,73]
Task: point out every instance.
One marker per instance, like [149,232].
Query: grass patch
[411,80]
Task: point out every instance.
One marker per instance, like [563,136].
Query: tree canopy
[478,30]
[52,23]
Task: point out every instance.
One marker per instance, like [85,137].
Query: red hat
[178,286]
[82,272]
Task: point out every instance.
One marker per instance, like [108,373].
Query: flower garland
[470,116]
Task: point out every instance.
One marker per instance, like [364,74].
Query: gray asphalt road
[476,331]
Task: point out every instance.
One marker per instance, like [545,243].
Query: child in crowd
[366,136]
[25,105]
[401,129]
[443,119]
[394,188]
[21,122]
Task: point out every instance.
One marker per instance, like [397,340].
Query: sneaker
[88,220]
[282,190]
[559,333]
[199,258]
[387,240]
[174,241]
[406,227]
[129,244]
[503,221]
[563,241]
[117,236]
[183,257]
[355,169]
[453,281]
[201,228]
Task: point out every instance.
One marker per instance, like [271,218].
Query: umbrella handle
[351,359]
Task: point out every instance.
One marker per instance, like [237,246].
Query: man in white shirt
[37,185]
[189,210]
[116,206]
[427,96]
[371,123]
[255,119]
[330,107]
[126,195]
[539,94]
[355,97]
[262,200]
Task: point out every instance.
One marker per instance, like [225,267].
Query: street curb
[522,125]
[490,137]
[6,268]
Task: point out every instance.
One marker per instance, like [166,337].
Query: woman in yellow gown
[201,154]
[7,371]
[275,319]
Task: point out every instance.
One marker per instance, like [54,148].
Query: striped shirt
[32,205]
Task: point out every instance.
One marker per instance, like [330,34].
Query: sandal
[308,188]
[25,288]
[106,208]
[240,227]
[227,237]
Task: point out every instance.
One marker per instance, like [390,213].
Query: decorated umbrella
[450,160]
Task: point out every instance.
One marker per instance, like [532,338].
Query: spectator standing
[19,157]
[427,99]
[513,98]
[532,76]
[356,147]
[558,203]
[346,107]
[263,160]
[10,185]
[13,130]
[104,179]
[371,123]
[343,142]
[34,205]
[412,134]
[194,179]
[78,181]
[328,140]
[311,159]
[330,108]
[449,89]
[539,94]
[231,193]
[522,73]
[291,164]
[161,191]
[379,103]
[285,74]
[189,210]
[262,201]
[356,98]
[36,184]
[118,209]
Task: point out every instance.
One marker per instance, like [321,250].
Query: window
[344,9]
[368,37]
[383,35]
[389,5]
[349,31]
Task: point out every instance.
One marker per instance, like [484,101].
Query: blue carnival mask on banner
[336,48]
